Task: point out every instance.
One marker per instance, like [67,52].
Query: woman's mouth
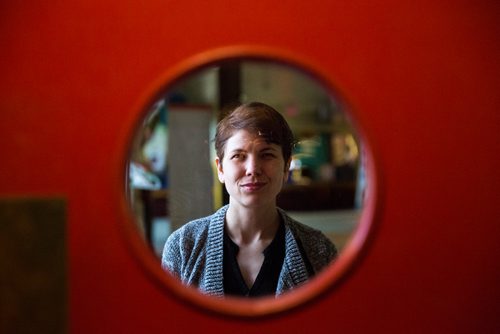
[253,186]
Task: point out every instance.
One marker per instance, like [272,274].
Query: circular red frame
[325,281]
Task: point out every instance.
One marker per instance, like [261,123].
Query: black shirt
[267,279]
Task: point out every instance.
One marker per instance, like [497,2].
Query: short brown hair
[258,118]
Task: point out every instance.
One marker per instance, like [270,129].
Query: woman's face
[252,170]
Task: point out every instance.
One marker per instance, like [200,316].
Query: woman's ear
[220,172]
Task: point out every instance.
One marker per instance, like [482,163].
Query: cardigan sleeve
[184,253]
[171,260]
[319,249]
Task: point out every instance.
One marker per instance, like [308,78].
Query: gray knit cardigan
[194,253]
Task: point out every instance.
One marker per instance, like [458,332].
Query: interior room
[172,176]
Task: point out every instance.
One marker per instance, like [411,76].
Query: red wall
[421,76]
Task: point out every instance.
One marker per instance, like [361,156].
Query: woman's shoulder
[189,241]
[197,228]
[319,248]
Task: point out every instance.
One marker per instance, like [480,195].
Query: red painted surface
[422,77]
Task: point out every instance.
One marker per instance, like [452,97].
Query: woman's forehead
[245,140]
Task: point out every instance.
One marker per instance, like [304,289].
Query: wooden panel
[33,282]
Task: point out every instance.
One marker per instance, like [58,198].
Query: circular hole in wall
[171,175]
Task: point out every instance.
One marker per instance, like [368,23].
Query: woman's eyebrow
[237,150]
[269,148]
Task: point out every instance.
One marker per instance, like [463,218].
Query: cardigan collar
[293,272]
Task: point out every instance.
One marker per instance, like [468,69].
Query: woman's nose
[253,166]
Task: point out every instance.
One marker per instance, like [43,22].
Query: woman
[249,247]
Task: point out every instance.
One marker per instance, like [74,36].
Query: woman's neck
[247,225]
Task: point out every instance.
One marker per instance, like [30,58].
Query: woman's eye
[237,156]
[268,155]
